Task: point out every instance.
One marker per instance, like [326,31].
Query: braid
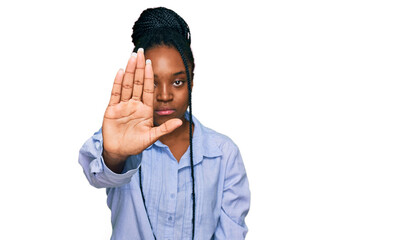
[190,135]
[163,27]
[160,18]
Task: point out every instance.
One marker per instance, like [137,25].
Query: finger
[148,90]
[116,88]
[127,82]
[165,128]
[139,75]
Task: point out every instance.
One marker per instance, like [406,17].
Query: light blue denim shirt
[221,189]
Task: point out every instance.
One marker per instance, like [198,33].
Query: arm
[97,172]
[235,200]
[127,128]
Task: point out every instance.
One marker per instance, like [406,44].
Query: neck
[181,133]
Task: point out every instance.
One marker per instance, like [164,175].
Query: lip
[164,112]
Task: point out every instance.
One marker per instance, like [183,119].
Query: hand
[128,127]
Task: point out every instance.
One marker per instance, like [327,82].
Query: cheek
[184,100]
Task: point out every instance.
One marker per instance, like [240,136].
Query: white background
[318,95]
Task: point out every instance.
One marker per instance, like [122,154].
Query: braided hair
[163,27]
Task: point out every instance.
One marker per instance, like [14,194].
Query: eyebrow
[179,73]
[174,74]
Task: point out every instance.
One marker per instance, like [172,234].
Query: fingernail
[140,50]
[133,54]
[148,61]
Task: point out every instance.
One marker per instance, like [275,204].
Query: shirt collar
[203,140]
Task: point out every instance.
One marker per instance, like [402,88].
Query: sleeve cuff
[98,166]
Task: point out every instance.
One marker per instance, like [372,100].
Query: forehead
[165,60]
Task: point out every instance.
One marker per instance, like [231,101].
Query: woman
[167,176]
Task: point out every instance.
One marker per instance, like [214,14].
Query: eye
[178,83]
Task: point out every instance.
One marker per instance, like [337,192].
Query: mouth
[164,112]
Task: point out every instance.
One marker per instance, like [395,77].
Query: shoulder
[231,162]
[219,138]
[213,139]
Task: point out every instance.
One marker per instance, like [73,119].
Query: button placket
[171,193]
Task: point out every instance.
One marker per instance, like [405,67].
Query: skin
[171,92]
[131,122]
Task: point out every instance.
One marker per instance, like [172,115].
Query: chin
[158,120]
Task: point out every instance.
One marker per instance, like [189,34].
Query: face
[170,84]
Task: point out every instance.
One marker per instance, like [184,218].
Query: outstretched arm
[127,128]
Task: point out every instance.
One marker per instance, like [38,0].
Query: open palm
[128,127]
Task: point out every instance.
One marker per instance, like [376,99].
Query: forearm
[96,170]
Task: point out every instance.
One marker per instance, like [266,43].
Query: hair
[163,27]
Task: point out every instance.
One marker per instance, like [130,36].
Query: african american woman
[166,175]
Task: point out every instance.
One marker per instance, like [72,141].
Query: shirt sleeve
[235,200]
[95,170]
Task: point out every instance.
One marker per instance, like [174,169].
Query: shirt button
[97,145]
[170,218]
[172,195]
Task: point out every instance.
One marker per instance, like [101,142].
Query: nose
[163,93]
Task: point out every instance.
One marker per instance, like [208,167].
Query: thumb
[167,128]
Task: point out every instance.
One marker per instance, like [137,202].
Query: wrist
[113,157]
[115,162]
